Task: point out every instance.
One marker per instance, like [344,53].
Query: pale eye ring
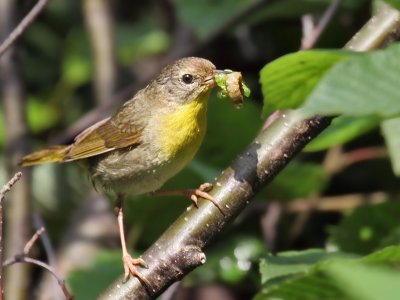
[187,78]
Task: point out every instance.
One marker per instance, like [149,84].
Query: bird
[147,141]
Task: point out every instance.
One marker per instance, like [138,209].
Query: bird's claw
[130,268]
[202,192]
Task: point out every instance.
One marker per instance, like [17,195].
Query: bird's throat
[183,131]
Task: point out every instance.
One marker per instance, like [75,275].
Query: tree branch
[22,258]
[180,249]
[312,33]
[17,32]
[4,190]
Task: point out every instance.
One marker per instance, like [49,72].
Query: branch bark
[180,249]
[19,30]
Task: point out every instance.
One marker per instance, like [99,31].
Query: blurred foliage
[365,229]
[88,284]
[313,274]
[254,37]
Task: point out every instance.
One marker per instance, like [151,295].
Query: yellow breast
[183,130]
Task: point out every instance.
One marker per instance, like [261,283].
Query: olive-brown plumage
[151,138]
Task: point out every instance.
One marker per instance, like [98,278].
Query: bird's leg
[193,194]
[128,261]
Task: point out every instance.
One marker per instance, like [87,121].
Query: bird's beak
[222,72]
[209,81]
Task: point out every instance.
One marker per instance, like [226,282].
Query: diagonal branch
[180,249]
[311,34]
[17,32]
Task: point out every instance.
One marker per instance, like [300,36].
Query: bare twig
[44,237]
[312,33]
[335,203]
[7,187]
[33,240]
[336,160]
[29,260]
[269,224]
[4,190]
[22,258]
[16,33]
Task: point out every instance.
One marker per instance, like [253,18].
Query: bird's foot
[202,192]
[193,194]
[130,268]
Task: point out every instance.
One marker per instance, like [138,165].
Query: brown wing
[102,137]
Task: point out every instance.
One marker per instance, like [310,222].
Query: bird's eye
[187,78]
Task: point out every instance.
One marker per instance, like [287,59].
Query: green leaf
[390,130]
[287,81]
[41,115]
[366,282]
[292,262]
[394,3]
[77,66]
[367,84]
[303,280]
[143,38]
[342,130]
[389,255]
[89,283]
[364,229]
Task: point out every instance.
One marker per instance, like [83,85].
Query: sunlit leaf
[342,130]
[394,3]
[293,262]
[367,84]
[390,130]
[287,81]
[303,280]
[362,282]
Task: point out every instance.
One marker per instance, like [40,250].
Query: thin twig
[340,203]
[16,33]
[45,239]
[22,258]
[29,260]
[4,190]
[311,34]
[33,240]
[7,187]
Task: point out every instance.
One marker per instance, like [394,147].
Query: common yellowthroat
[150,139]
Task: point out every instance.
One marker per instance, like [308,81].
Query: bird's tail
[48,155]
